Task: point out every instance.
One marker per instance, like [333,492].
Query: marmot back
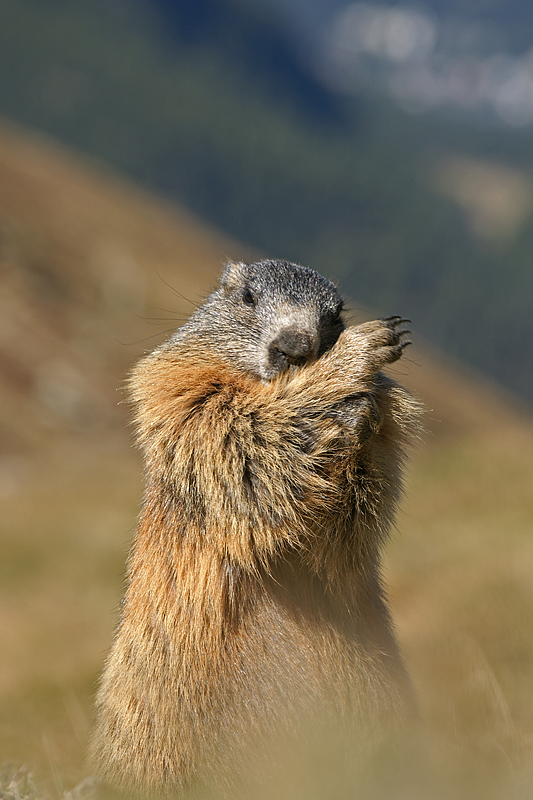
[254,610]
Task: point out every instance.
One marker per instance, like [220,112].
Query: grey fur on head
[267,317]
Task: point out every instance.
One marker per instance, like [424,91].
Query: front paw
[359,416]
[381,341]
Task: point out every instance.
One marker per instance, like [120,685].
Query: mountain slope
[81,258]
[85,263]
[211,106]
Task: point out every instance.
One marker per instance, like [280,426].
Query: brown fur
[254,596]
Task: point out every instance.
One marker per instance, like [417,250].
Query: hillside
[91,269]
[212,103]
[88,263]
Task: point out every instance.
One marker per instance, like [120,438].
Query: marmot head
[267,317]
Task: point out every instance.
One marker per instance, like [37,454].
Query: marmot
[274,448]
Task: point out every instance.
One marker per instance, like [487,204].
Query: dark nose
[296,346]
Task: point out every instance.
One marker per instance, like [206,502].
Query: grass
[459,568]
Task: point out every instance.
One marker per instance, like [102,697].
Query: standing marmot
[273,448]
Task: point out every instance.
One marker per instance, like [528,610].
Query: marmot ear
[233,276]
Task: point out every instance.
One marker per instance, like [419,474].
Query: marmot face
[270,316]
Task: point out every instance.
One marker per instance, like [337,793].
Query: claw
[396,320]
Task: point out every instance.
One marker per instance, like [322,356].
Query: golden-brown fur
[254,597]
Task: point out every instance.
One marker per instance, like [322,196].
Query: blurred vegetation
[207,103]
[358,190]
[459,570]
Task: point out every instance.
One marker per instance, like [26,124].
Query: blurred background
[387,145]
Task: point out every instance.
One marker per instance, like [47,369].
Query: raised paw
[381,341]
[397,343]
